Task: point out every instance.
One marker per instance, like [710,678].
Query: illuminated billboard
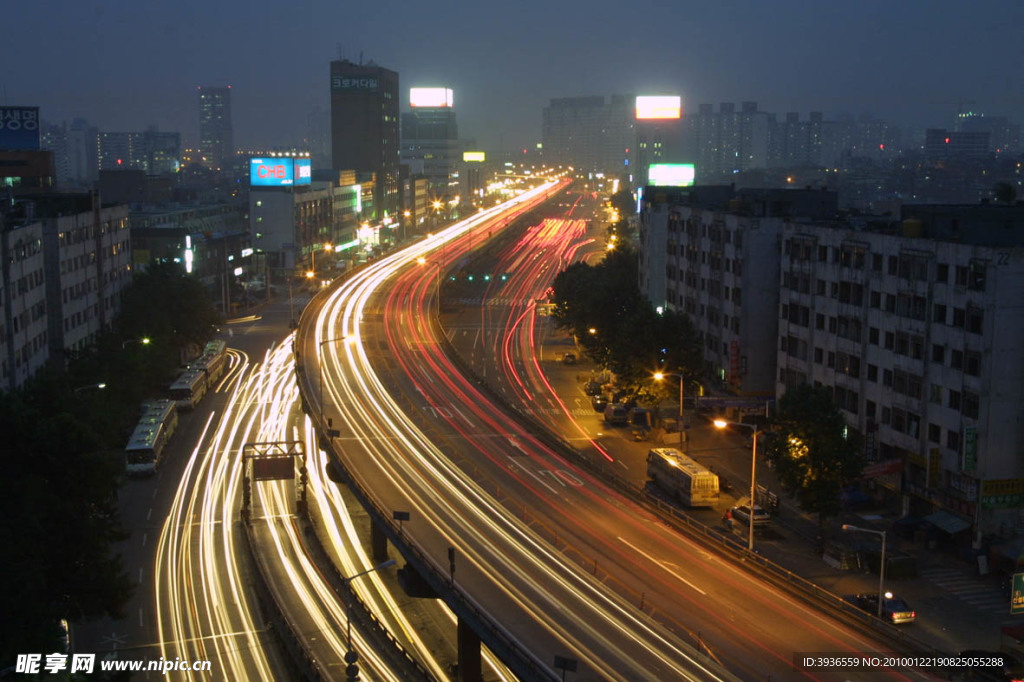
[671,174]
[275,172]
[303,171]
[430,97]
[474,156]
[658,106]
[19,128]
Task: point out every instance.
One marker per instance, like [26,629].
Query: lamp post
[423,261]
[100,386]
[721,423]
[145,341]
[881,567]
[352,672]
[660,376]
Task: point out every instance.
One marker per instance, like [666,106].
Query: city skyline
[125,67]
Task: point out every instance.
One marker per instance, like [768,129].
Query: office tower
[364,129]
[592,134]
[216,141]
[430,135]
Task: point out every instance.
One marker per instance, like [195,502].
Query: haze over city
[126,65]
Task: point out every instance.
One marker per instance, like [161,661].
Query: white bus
[213,361]
[691,483]
[189,388]
[146,446]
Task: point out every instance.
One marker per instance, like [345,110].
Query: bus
[689,482]
[213,361]
[146,446]
[189,388]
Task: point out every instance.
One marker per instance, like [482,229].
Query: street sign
[1017,596]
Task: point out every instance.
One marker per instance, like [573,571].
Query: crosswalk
[981,595]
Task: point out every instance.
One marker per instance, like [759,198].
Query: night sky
[127,64]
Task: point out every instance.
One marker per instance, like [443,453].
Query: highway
[541,537]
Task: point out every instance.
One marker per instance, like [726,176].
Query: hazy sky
[126,64]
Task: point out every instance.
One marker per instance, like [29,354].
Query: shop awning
[950,523]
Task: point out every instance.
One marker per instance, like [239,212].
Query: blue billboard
[303,171]
[274,172]
[19,128]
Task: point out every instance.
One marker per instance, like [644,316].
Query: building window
[954,400]
[873,373]
[890,340]
[873,336]
[941,273]
[953,440]
[938,353]
[934,433]
[976,276]
[936,394]
[961,276]
[887,377]
[956,359]
[975,320]
[876,262]
[876,299]
[939,314]
[971,405]
[972,363]
[819,355]
[959,316]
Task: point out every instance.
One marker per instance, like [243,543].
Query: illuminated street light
[99,386]
[660,376]
[721,424]
[145,341]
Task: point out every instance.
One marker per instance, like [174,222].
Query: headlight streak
[373,419]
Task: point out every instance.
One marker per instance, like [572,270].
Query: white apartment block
[921,338]
[923,343]
[65,263]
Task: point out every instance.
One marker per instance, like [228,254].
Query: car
[894,609]
[592,388]
[599,402]
[569,359]
[741,513]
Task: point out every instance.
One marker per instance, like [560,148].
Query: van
[615,414]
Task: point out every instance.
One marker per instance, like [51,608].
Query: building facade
[66,260]
[430,134]
[216,135]
[591,134]
[364,128]
[915,325]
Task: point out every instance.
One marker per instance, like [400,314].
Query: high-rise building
[430,135]
[591,134]
[216,140]
[364,129]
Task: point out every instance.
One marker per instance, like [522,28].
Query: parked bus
[691,483]
[146,446]
[189,388]
[213,361]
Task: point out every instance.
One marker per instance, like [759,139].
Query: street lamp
[721,424]
[145,341]
[881,567]
[100,386]
[660,376]
[350,655]
[423,261]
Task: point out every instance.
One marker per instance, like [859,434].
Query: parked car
[616,414]
[741,513]
[592,388]
[894,609]
[569,359]
[599,402]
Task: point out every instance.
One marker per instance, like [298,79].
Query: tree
[166,304]
[812,450]
[618,328]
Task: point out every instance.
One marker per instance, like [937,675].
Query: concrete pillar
[470,667]
[378,543]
